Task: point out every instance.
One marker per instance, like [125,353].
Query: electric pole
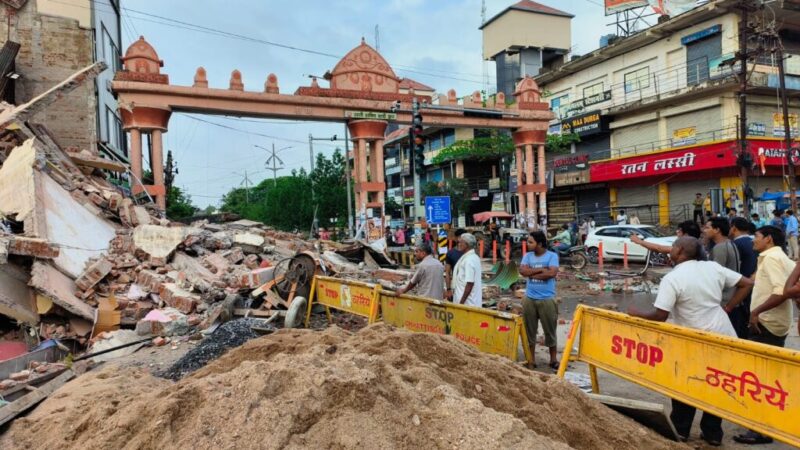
[170,170]
[246,183]
[744,158]
[786,127]
[311,152]
[274,159]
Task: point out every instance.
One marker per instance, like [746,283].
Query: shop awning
[484,216]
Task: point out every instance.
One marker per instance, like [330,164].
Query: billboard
[615,6]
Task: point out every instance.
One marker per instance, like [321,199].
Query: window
[449,137]
[637,80]
[594,89]
[608,232]
[111,52]
[114,131]
[559,104]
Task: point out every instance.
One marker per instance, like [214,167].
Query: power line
[246,131]
[162,20]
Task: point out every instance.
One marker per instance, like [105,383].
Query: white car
[614,236]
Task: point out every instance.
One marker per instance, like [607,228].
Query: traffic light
[418,141]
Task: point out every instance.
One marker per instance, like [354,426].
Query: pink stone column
[531,205]
[520,171]
[542,177]
[136,157]
[379,174]
[362,172]
[157,165]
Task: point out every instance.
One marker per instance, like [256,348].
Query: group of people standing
[733,279]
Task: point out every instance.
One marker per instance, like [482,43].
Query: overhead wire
[167,21]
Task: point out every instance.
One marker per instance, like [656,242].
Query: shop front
[666,183]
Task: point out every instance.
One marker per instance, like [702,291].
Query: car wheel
[594,254]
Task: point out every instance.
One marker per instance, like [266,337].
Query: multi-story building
[522,39]
[56,39]
[657,114]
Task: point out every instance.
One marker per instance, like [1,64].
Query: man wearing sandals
[540,267]
[691,296]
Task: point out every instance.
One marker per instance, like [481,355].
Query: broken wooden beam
[96,162]
[24,403]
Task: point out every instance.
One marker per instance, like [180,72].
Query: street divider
[353,297]
[489,331]
[754,385]
[402,257]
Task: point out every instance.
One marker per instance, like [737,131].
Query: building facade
[657,117]
[56,40]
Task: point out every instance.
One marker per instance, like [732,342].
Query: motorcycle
[576,255]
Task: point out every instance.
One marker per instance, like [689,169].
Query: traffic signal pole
[417,155]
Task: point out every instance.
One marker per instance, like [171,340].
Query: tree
[561,143]
[287,202]
[494,146]
[179,205]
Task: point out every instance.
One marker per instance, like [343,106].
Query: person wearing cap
[429,277]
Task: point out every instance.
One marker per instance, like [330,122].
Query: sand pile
[378,388]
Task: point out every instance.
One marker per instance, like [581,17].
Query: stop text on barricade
[747,383]
[353,297]
[489,331]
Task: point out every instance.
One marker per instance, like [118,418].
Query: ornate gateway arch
[361,81]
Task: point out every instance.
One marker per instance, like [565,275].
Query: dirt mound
[378,388]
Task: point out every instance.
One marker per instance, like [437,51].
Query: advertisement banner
[753,385]
[585,124]
[489,331]
[704,157]
[615,6]
[778,129]
[684,136]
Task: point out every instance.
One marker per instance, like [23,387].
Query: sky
[436,42]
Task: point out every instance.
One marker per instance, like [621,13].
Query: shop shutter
[704,120]
[635,137]
[641,200]
[682,194]
[560,208]
[594,202]
[758,184]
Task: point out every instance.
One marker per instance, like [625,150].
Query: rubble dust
[378,388]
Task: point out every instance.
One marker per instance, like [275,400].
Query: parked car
[614,236]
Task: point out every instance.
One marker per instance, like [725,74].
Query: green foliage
[393,208]
[561,143]
[179,205]
[287,203]
[456,188]
[480,148]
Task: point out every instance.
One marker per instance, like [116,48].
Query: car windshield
[650,232]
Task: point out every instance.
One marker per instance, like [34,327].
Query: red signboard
[713,156]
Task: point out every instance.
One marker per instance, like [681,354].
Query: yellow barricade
[353,297]
[750,384]
[489,331]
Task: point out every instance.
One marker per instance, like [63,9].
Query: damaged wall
[78,232]
[18,188]
[51,49]
[16,298]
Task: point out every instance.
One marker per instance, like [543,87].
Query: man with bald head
[690,296]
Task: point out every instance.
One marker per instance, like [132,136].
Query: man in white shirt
[592,225]
[466,284]
[622,218]
[690,296]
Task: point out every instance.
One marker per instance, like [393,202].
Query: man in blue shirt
[791,234]
[540,267]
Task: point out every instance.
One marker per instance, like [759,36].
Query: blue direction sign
[437,210]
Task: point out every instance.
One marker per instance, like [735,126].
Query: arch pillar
[139,120]
[370,187]
[527,162]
